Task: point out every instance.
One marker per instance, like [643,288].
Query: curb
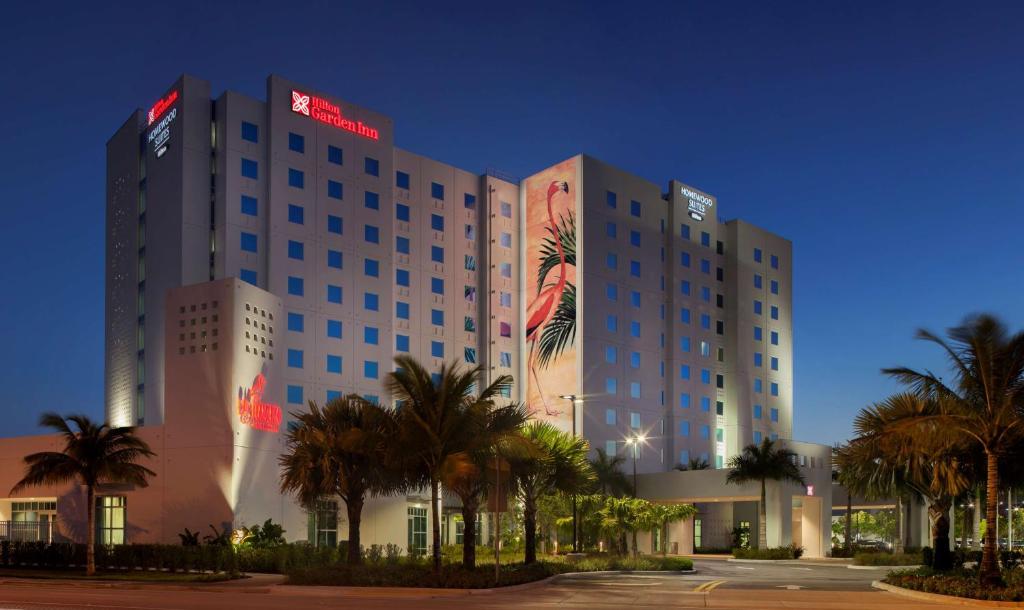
[132,586]
[853,567]
[946,599]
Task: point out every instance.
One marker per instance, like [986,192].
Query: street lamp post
[634,441]
[575,531]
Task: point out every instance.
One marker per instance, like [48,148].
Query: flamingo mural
[551,312]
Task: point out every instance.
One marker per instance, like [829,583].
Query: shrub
[887,559]
[928,556]
[780,552]
[959,583]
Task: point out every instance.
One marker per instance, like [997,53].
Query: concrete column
[779,515]
[681,532]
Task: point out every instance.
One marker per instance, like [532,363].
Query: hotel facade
[266,253]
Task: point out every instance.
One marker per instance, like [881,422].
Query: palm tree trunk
[976,519]
[636,551]
[354,508]
[90,534]
[664,539]
[989,573]
[848,541]
[469,534]
[530,527]
[435,519]
[898,547]
[939,512]
[762,520]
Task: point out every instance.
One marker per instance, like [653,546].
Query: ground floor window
[32,521]
[417,531]
[110,519]
[696,533]
[743,534]
[323,524]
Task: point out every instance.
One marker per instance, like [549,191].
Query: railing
[28,531]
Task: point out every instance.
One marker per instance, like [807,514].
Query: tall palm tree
[495,436]
[765,462]
[984,401]
[435,435]
[608,474]
[900,447]
[341,449]
[93,454]
[559,465]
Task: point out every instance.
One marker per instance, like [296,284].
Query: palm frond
[548,258]
[560,331]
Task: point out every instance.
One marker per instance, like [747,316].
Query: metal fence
[28,531]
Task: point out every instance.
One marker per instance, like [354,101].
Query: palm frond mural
[560,331]
[549,258]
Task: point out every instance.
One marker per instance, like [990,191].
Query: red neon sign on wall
[255,413]
[324,111]
[161,105]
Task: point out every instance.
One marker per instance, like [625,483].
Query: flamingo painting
[545,304]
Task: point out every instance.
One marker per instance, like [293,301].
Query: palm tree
[900,447]
[436,433]
[341,449]
[659,516]
[495,435]
[762,463]
[984,402]
[93,454]
[608,473]
[558,465]
[840,477]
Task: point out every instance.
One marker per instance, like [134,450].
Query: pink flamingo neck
[558,241]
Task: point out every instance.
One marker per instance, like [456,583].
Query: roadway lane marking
[708,586]
[790,587]
[739,568]
[808,569]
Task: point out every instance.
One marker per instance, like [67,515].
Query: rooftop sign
[324,111]
[160,106]
[698,204]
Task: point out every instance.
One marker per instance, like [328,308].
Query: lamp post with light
[575,531]
[634,441]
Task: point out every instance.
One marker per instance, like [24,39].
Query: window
[705,321]
[705,266]
[609,417]
[371,234]
[110,519]
[401,212]
[437,349]
[371,268]
[469,201]
[371,166]
[634,389]
[335,190]
[333,294]
[296,322]
[611,385]
[757,307]
[401,310]
[371,335]
[634,268]
[757,255]
[634,328]
[634,360]
[506,209]
[506,240]
[757,359]
[720,382]
[296,143]
[705,239]
[684,259]
[334,259]
[758,437]
[684,344]
[334,224]
[705,349]
[296,178]
[249,205]
[758,385]
[334,329]
[437,317]
[436,190]
[248,242]
[506,270]
[505,359]
[705,432]
[705,294]
[775,261]
[371,200]
[401,343]
[402,245]
[612,323]
[370,369]
[775,312]
[250,132]
[757,411]
[634,420]
[296,214]
[774,286]
[371,302]
[634,208]
[758,280]
[295,358]
[402,277]
[437,222]
[437,285]
[334,155]
[296,250]
[705,404]
[333,364]
[757,333]
[773,388]
[775,338]
[611,354]
[250,169]
[684,315]
[611,199]
[774,363]
[294,394]
[684,400]
[469,355]
[684,371]
[684,287]
[612,260]
[775,414]
[247,275]
[705,376]
[296,286]
[634,298]
[505,299]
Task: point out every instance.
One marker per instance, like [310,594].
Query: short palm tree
[341,449]
[608,474]
[557,465]
[658,517]
[761,463]
[438,425]
[93,454]
[984,401]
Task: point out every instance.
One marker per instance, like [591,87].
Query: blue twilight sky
[884,139]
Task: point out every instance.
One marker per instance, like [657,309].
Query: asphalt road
[718,584]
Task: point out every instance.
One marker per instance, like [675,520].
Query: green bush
[959,583]
[781,552]
[888,559]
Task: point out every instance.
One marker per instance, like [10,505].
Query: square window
[371,200]
[437,222]
[334,329]
[371,166]
[334,155]
[402,277]
[684,401]
[437,349]
[634,208]
[402,212]
[469,355]
[437,317]
[250,132]
[402,245]
[371,268]
[334,259]
[250,169]
[506,209]
[371,335]
[248,242]
[296,142]
[295,358]
[437,190]
[333,294]
[335,190]
[371,234]
[295,394]
[371,302]
[296,214]
[401,343]
[469,201]
[370,369]
[296,250]
[437,254]
[436,285]
[296,178]
[469,263]
[334,224]
[610,385]
[402,180]
[332,395]
[296,286]
[401,310]
[249,205]
[296,322]
[611,199]
[333,364]
[247,275]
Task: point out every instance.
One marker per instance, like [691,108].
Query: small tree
[93,454]
[609,475]
[659,516]
[762,463]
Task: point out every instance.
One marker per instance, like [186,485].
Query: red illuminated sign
[255,413]
[161,105]
[324,111]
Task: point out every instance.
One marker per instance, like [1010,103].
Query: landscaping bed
[888,559]
[418,572]
[959,583]
[116,575]
[776,553]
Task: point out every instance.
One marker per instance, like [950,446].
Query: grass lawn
[114,575]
